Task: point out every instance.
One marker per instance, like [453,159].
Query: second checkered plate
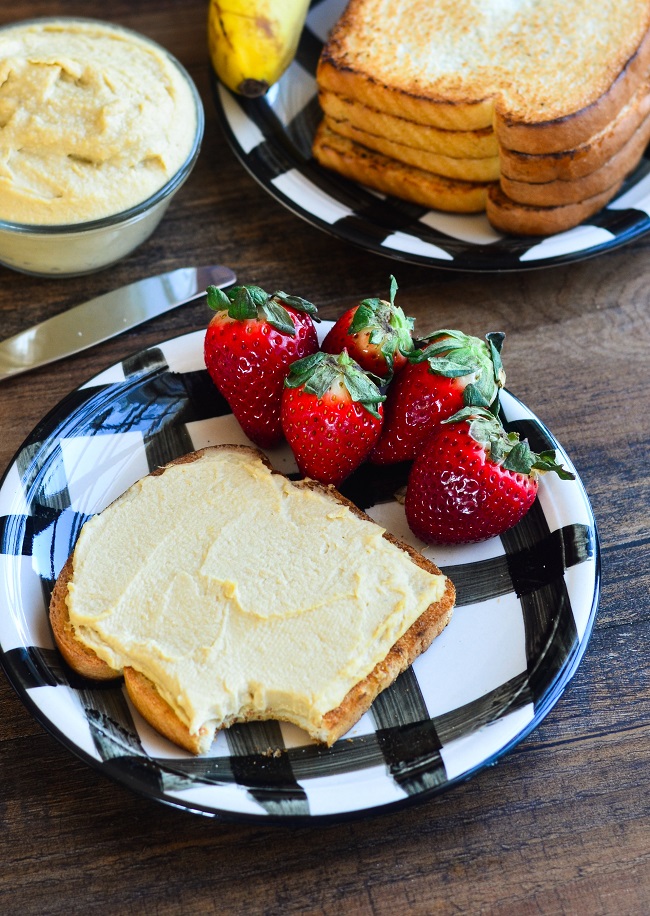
[272,138]
[525,609]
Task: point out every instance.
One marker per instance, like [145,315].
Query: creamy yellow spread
[93,120]
[235,590]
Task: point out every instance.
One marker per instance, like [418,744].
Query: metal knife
[106,316]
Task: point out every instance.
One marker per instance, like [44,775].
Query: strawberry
[452,371]
[376,334]
[472,480]
[332,413]
[250,343]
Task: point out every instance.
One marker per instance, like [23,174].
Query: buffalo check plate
[525,610]
[272,138]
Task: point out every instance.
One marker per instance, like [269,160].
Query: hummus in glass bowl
[99,126]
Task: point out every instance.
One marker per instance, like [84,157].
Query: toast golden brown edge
[584,159]
[559,191]
[385,174]
[160,715]
[522,219]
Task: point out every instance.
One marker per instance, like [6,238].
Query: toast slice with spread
[223,592]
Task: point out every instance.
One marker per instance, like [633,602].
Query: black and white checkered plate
[272,138]
[525,610]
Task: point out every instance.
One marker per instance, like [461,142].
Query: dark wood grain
[562,824]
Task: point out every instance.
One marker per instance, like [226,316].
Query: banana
[252,42]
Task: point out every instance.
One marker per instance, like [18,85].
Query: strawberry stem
[321,371]
[454,354]
[389,328]
[243,303]
[507,449]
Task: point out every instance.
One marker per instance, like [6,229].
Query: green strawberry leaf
[445,338]
[451,367]
[257,295]
[365,316]
[469,413]
[252,302]
[495,343]
[495,339]
[298,303]
[277,316]
[218,301]
[318,373]
[362,389]
[243,302]
[519,459]
[545,461]
[388,352]
[393,289]
[507,449]
[302,369]
[474,396]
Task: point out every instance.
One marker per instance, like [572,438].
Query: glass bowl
[87,246]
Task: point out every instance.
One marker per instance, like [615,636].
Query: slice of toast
[560,191]
[508,216]
[82,608]
[475,144]
[385,174]
[571,164]
[461,169]
[547,76]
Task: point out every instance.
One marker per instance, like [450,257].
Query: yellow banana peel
[252,42]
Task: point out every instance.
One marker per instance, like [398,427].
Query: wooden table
[561,824]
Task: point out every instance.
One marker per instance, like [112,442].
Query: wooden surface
[562,824]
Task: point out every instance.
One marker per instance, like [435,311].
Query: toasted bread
[509,216]
[475,144]
[375,170]
[461,169]
[547,76]
[571,164]
[561,191]
[146,694]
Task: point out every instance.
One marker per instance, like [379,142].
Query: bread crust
[76,654]
[508,216]
[476,144]
[385,174]
[555,209]
[459,169]
[161,716]
[571,164]
[560,191]
[341,78]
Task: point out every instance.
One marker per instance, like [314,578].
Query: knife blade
[106,316]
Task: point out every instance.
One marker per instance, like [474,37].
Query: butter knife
[106,316]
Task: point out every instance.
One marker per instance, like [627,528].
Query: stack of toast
[534,112]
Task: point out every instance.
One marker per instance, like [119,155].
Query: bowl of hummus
[99,127]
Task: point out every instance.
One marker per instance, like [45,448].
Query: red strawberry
[376,334]
[249,346]
[331,415]
[472,480]
[452,371]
